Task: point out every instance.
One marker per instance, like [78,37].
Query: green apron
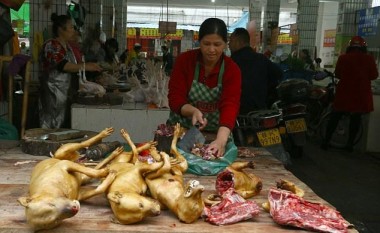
[205,99]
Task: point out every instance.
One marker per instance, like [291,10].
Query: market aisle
[349,181]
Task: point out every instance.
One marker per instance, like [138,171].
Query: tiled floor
[349,181]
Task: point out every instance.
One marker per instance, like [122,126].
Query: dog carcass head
[47,213]
[191,206]
[131,207]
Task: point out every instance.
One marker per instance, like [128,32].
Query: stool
[27,78]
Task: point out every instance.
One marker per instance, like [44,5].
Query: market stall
[95,214]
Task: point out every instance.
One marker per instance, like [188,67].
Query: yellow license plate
[269,137]
[296,125]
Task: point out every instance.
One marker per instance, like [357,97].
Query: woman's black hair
[213,26]
[112,43]
[59,21]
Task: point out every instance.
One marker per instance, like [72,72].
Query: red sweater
[182,77]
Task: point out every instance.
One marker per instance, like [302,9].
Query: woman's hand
[199,118]
[195,114]
[218,146]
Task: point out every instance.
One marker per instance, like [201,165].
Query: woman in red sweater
[355,69]
[205,86]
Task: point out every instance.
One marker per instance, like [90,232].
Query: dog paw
[107,132]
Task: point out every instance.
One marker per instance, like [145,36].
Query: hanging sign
[368,20]
[149,33]
[153,33]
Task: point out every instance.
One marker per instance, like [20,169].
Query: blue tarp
[241,23]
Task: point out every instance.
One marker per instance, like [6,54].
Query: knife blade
[192,136]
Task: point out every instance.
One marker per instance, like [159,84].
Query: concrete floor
[349,181]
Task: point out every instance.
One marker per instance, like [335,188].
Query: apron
[205,99]
[54,109]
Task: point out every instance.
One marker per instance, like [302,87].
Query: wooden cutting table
[95,213]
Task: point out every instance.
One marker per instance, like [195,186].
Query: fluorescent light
[212,0]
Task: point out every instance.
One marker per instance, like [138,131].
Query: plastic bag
[7,131]
[199,166]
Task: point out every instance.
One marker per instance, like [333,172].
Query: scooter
[292,95]
[260,129]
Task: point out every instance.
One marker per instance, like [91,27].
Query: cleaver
[192,136]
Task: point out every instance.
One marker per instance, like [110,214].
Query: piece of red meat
[203,151]
[224,181]
[233,208]
[287,208]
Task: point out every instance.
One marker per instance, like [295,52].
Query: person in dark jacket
[167,60]
[260,76]
[355,69]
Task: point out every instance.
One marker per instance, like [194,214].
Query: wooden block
[65,135]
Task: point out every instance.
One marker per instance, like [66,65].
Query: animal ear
[114,197]
[24,201]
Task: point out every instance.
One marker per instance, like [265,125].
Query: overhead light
[212,0]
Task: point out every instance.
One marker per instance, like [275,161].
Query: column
[254,24]
[270,25]
[307,20]
[121,24]
[346,26]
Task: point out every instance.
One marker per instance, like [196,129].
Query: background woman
[205,86]
[355,69]
[57,64]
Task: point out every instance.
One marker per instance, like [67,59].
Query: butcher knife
[192,136]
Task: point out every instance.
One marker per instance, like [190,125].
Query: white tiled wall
[138,121]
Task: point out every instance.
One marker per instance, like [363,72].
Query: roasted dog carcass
[54,189]
[166,185]
[245,184]
[127,192]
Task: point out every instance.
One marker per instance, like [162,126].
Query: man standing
[167,60]
[259,75]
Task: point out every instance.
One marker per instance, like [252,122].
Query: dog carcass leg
[85,194]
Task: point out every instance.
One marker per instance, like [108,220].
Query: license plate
[269,137]
[296,125]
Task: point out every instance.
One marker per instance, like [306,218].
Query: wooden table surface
[95,213]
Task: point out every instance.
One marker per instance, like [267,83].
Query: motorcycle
[292,95]
[320,100]
[260,129]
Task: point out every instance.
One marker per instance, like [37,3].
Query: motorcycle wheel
[293,150]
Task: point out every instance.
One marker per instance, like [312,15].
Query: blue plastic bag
[199,166]
[7,131]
